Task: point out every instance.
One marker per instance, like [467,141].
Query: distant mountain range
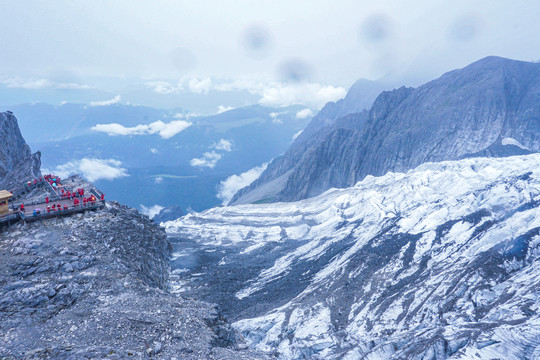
[487,108]
[182,168]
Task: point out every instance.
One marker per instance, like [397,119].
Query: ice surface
[441,261]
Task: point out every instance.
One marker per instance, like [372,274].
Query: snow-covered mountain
[439,262]
[465,112]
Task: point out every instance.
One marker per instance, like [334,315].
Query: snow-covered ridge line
[441,260]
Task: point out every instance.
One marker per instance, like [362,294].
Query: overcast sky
[207,46]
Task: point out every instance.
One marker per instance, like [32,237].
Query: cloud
[164,87]
[303,114]
[275,117]
[209,160]
[36,84]
[273,93]
[158,180]
[151,211]
[112,101]
[222,108]
[223,144]
[312,95]
[186,116]
[230,186]
[92,169]
[200,86]
[154,151]
[165,130]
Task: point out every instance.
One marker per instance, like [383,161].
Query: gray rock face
[17,163]
[359,98]
[168,214]
[464,113]
[95,285]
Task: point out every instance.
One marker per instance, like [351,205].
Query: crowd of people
[52,179]
[64,193]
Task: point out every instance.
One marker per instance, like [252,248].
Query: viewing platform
[56,200]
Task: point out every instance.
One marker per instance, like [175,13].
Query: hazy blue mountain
[41,122]
[160,169]
[475,110]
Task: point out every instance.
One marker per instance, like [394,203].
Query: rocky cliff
[95,285]
[465,112]
[17,163]
[359,98]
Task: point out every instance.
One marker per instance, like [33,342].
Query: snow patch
[511,141]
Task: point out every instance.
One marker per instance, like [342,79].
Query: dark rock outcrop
[17,163]
[168,214]
[463,113]
[95,285]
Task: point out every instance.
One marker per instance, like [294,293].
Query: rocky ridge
[466,112]
[95,285]
[17,163]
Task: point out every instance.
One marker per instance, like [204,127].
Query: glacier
[439,262]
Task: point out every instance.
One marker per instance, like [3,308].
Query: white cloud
[195,85]
[158,180]
[312,95]
[164,87]
[200,86]
[186,116]
[154,151]
[165,130]
[303,114]
[232,184]
[35,84]
[209,160]
[223,144]
[223,108]
[92,169]
[297,134]
[273,93]
[112,101]
[152,210]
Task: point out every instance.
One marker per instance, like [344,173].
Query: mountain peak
[460,114]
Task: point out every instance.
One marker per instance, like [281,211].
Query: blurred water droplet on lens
[183,59]
[294,70]
[257,41]
[464,28]
[376,29]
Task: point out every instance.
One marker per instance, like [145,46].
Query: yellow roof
[4,194]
